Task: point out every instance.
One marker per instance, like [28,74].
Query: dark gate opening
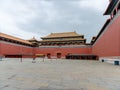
[82,56]
[13,56]
[59,55]
[48,55]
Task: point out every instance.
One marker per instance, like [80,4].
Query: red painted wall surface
[109,43]
[63,51]
[9,49]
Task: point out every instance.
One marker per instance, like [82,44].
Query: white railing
[67,46]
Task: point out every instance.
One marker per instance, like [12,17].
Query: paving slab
[58,75]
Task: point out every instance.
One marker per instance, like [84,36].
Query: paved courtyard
[58,75]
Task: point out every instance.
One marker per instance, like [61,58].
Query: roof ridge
[61,32]
[64,34]
[13,37]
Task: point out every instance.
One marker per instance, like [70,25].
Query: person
[33,61]
[0,58]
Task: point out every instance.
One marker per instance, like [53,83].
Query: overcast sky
[28,18]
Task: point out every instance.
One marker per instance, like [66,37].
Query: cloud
[9,26]
[98,5]
[28,18]
[14,13]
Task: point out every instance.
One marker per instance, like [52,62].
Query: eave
[102,30]
[111,7]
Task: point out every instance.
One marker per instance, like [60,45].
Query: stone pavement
[58,75]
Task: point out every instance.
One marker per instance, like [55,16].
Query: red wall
[9,48]
[108,44]
[63,51]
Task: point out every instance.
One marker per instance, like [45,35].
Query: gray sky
[28,18]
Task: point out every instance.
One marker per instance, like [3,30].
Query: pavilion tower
[66,38]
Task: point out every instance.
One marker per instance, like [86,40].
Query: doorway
[48,55]
[59,55]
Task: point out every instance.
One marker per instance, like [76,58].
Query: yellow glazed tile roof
[65,34]
[14,38]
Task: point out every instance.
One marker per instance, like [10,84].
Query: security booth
[116,62]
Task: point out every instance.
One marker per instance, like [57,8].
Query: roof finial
[33,37]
